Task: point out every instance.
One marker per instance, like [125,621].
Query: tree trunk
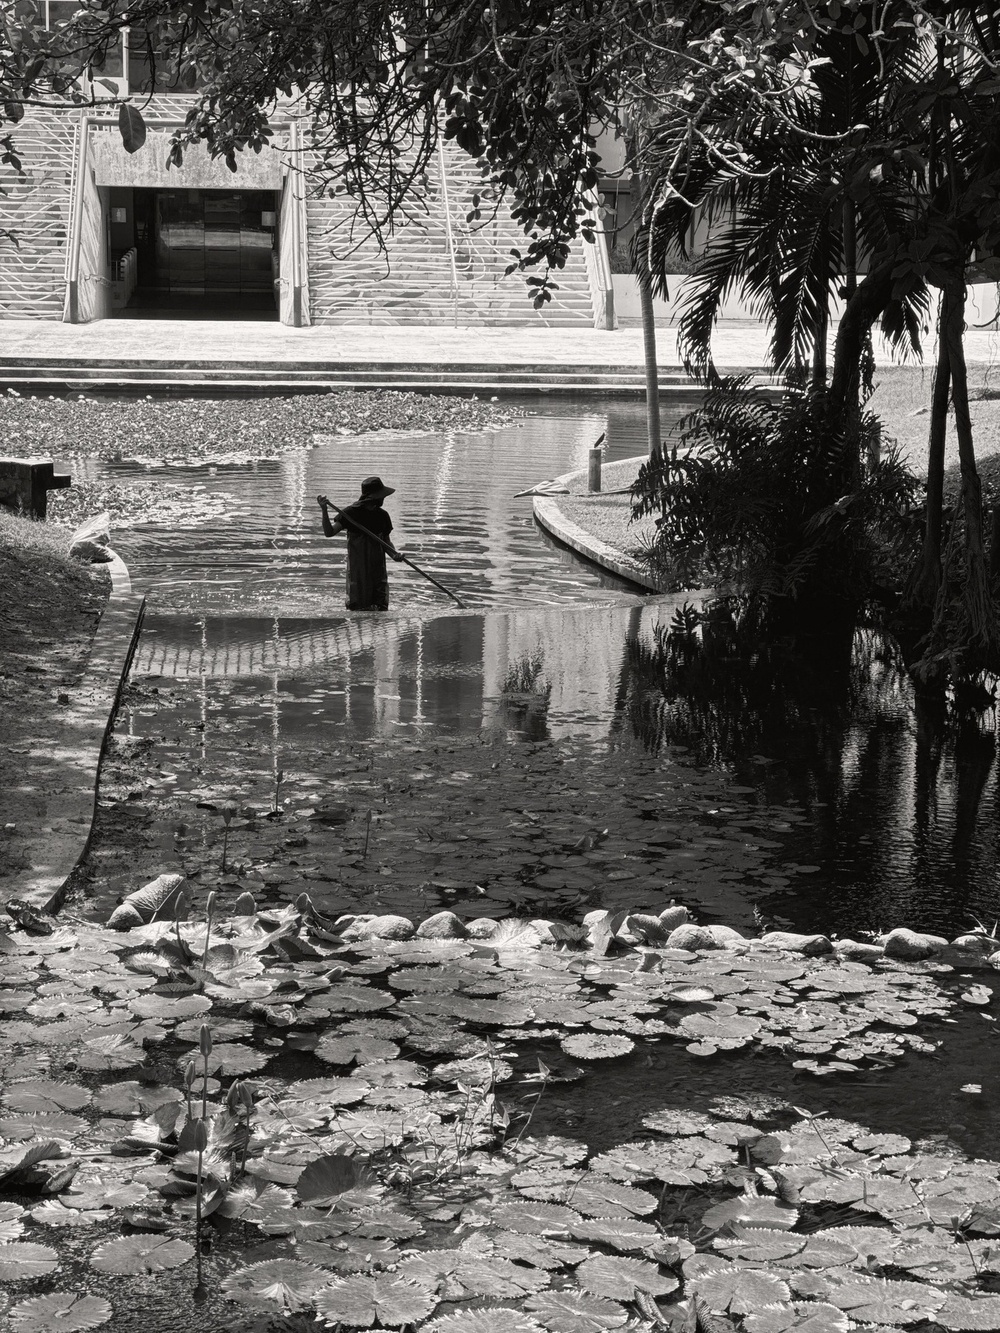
[860,313]
[648,335]
[979,601]
[929,581]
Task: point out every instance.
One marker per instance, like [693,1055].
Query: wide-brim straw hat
[372,489]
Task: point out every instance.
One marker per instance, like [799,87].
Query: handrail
[598,264]
[442,166]
[297,210]
[72,311]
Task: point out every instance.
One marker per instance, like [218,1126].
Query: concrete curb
[550,515]
[69,771]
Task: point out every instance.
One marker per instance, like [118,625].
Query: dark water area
[899,793]
[890,807]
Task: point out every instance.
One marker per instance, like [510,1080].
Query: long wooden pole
[394,553]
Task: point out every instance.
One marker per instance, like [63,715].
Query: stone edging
[69,773]
[551,517]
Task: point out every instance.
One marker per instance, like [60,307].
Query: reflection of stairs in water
[254,647]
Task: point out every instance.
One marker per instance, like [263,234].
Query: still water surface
[893,815]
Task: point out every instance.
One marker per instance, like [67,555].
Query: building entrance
[203,254]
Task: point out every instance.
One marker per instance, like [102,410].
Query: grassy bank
[902,399]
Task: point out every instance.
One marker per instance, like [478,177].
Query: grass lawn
[902,399]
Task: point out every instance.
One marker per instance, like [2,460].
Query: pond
[876,813]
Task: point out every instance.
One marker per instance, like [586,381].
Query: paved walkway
[190,342]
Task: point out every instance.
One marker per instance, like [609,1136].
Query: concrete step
[226,379]
[137,373]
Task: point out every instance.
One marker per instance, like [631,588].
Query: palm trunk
[648,336]
[929,581]
[979,602]
[860,313]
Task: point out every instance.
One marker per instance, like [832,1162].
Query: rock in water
[442,926]
[911,944]
[691,937]
[810,945]
[379,928]
[854,951]
[672,917]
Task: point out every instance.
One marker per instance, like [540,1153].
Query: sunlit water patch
[256,544]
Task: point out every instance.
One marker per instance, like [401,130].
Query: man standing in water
[367,581]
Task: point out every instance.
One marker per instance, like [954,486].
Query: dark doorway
[205,254]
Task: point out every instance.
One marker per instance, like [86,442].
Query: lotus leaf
[499,1320]
[536,1219]
[574,1312]
[329,1091]
[558,1151]
[53,1213]
[750,1211]
[69,1311]
[762,1245]
[282,1284]
[593,1046]
[44,1094]
[142,1253]
[689,1161]
[624,1234]
[35,1124]
[324,1180]
[730,1288]
[456,1275]
[800,1317]
[617,1278]
[875,1301]
[538,1252]
[110,1052]
[337,1050]
[22,1260]
[152,1005]
[969,1312]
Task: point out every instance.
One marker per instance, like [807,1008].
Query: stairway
[35,205]
[47,374]
[351,282]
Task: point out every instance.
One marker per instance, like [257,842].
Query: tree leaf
[142,1253]
[68,1311]
[383,1298]
[132,128]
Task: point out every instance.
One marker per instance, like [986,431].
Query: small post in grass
[594,466]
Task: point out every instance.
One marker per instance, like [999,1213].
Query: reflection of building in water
[376,675]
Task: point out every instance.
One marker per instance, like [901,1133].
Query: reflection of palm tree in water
[893,784]
[524,699]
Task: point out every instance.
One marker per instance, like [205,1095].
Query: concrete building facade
[100,232]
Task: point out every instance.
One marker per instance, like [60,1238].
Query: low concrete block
[25,483]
